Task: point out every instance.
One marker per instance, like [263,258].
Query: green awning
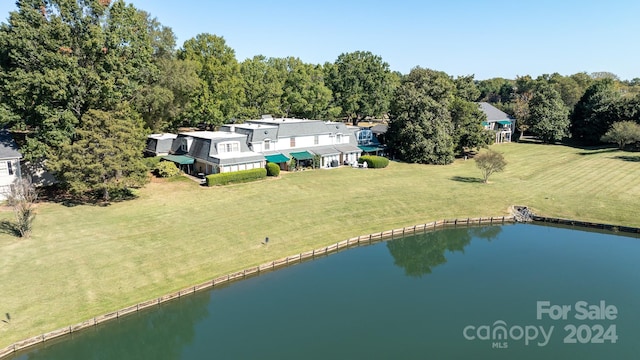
[369,148]
[302,155]
[504,122]
[276,158]
[484,123]
[179,159]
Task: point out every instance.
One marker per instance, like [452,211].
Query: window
[338,138]
[183,146]
[267,145]
[228,147]
[9,167]
[316,140]
[292,142]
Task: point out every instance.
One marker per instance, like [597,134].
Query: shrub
[166,169]
[151,162]
[374,162]
[490,162]
[273,169]
[236,177]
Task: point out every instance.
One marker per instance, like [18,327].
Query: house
[212,152]
[498,121]
[281,139]
[159,144]
[9,163]
[369,139]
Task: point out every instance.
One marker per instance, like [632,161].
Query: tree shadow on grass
[627,158]
[467,179]
[9,227]
[598,151]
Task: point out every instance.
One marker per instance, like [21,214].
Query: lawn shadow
[467,179]
[596,151]
[627,158]
[10,228]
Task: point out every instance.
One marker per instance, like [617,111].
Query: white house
[212,152]
[281,139]
[498,121]
[9,163]
[159,144]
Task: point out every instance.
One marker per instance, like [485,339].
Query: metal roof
[8,147]
[492,112]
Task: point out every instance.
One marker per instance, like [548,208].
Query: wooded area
[67,67]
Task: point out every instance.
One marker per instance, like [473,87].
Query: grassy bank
[87,260]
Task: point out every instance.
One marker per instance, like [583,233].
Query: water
[411,298]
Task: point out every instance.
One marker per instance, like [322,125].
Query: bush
[151,162]
[273,169]
[374,162]
[166,169]
[236,177]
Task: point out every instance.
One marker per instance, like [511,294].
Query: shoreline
[296,259]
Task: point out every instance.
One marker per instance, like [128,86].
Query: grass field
[83,261]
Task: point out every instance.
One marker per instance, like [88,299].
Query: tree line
[84,81]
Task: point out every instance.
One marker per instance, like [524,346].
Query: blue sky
[490,38]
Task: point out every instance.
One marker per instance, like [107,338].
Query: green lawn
[83,261]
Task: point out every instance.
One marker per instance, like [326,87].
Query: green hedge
[374,162]
[236,177]
[273,169]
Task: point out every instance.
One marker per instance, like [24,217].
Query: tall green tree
[263,85]
[305,94]
[420,127]
[596,111]
[105,156]
[221,93]
[60,58]
[548,115]
[466,88]
[468,132]
[362,85]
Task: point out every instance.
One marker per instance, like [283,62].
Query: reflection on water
[160,333]
[408,298]
[418,254]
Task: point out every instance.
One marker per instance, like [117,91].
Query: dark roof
[492,112]
[379,129]
[8,147]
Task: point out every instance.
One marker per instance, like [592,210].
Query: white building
[9,163]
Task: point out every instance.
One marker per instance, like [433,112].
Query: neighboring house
[212,152]
[498,121]
[9,163]
[368,139]
[159,144]
[281,139]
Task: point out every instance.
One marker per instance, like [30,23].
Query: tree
[305,94]
[106,155]
[164,100]
[466,88]
[490,162]
[420,127]
[220,95]
[361,85]
[263,87]
[548,117]
[59,59]
[22,198]
[468,132]
[622,133]
[596,111]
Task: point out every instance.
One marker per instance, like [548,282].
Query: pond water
[501,292]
